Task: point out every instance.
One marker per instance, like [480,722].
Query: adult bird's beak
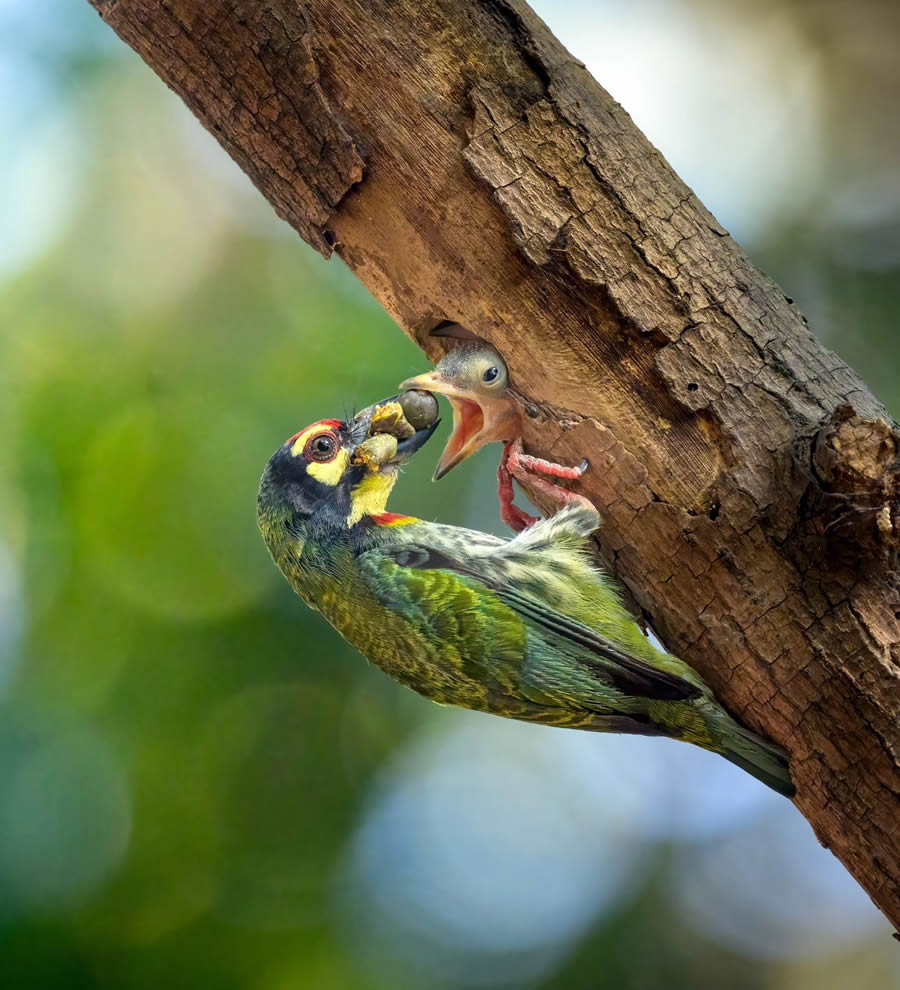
[476,421]
[377,443]
[406,448]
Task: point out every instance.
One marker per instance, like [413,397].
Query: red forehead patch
[333,424]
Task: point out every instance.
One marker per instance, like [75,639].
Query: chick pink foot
[540,466]
[527,470]
[511,514]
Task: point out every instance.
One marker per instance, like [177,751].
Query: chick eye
[490,375]
[321,448]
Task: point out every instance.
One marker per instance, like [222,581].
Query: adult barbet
[527,628]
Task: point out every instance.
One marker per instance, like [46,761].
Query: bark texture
[466,167]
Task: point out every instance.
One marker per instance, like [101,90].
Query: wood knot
[852,453]
[857,463]
[856,455]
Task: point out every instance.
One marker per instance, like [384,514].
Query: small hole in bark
[897,614]
[693,386]
[714,510]
[330,238]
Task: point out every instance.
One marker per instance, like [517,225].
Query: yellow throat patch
[370,496]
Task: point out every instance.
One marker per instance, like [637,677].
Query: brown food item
[388,417]
[377,451]
[419,408]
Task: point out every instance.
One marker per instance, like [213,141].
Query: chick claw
[527,470]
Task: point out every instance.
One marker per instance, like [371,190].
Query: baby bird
[474,379]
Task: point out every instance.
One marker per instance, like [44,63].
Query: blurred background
[200,784]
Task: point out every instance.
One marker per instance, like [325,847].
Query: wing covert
[625,672]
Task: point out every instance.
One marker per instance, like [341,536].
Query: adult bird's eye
[321,448]
[490,374]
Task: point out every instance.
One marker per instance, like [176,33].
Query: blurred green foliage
[200,784]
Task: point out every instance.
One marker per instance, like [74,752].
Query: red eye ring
[322,448]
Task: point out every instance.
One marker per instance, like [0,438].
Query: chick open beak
[475,422]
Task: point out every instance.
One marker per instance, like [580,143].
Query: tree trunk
[466,167]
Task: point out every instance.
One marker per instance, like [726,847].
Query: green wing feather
[503,626]
[603,663]
[470,637]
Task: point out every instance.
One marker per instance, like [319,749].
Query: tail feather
[761,759]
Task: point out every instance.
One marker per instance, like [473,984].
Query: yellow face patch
[329,472]
[298,441]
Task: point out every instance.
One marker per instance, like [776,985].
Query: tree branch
[466,167]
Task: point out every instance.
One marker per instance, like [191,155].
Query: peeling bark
[466,167]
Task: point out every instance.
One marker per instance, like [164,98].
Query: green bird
[527,628]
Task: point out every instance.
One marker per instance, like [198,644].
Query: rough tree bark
[466,167]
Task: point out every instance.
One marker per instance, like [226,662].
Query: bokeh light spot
[65,820]
[487,844]
[770,890]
